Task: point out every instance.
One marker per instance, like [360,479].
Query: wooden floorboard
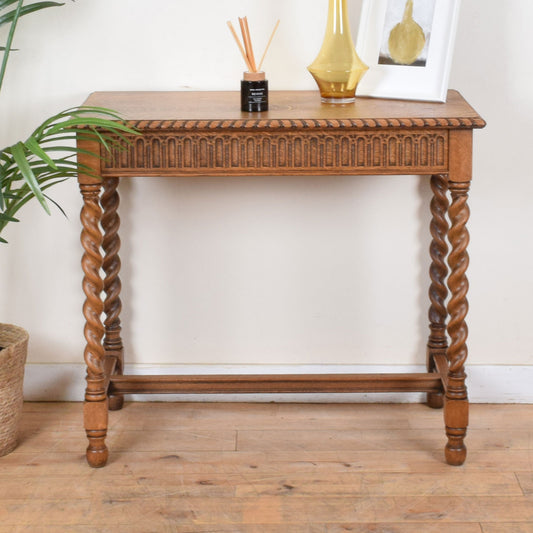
[270,468]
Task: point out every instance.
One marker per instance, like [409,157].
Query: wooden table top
[287,109]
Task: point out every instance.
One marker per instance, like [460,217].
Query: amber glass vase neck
[338,22]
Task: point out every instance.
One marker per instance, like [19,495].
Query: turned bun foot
[435,400]
[97,452]
[97,458]
[455,454]
[116,402]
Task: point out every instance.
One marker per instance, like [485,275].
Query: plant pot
[13,350]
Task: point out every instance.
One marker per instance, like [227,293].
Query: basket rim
[15,335]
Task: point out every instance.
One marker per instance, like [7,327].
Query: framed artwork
[408,46]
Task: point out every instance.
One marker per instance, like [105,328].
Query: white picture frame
[428,79]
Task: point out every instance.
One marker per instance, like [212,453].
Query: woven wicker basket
[14,341]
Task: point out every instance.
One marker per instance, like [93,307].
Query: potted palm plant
[27,170]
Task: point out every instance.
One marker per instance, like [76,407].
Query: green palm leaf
[12,18]
[48,156]
[19,155]
[34,147]
[6,18]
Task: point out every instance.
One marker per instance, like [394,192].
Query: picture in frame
[408,46]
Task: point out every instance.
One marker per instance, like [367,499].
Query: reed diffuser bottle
[337,68]
[254,85]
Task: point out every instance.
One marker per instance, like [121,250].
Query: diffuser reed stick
[246,48]
[268,45]
[234,33]
[247,42]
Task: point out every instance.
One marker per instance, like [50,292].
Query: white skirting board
[486,384]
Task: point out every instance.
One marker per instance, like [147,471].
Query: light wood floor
[270,468]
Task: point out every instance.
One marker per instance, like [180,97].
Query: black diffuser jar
[254,92]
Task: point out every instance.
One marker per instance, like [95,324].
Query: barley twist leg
[438,271]
[112,286]
[95,408]
[456,406]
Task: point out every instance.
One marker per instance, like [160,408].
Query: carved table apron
[205,134]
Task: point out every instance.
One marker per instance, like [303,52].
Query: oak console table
[205,134]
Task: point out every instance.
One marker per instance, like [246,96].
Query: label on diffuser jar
[254,92]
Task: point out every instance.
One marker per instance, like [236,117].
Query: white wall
[269,270]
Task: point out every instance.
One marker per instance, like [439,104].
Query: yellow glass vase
[337,69]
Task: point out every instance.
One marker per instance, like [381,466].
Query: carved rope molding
[290,151]
[269,124]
